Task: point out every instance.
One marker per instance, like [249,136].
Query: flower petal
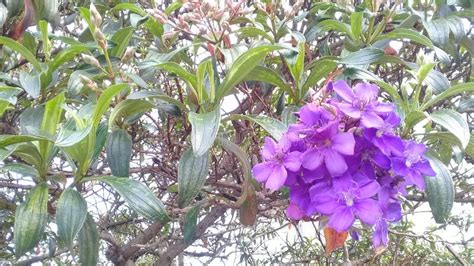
[424,168]
[367,210]
[343,90]
[312,159]
[269,149]
[368,190]
[371,119]
[366,92]
[262,171]
[277,178]
[342,219]
[292,161]
[293,212]
[380,237]
[335,163]
[393,212]
[349,110]
[343,143]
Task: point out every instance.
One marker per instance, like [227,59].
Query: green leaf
[454,122]
[440,191]
[177,69]
[288,116]
[51,117]
[30,220]
[192,173]
[14,45]
[357,19]
[271,125]
[244,64]
[453,90]
[21,169]
[131,7]
[411,35]
[121,38]
[328,25]
[204,130]
[129,108]
[119,152]
[71,214]
[413,118]
[104,101]
[297,67]
[6,140]
[150,94]
[270,76]
[138,196]
[66,55]
[438,30]
[319,71]
[31,83]
[190,222]
[362,57]
[89,241]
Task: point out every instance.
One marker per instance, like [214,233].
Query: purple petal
[277,178]
[343,143]
[350,110]
[294,212]
[416,179]
[393,212]
[424,168]
[399,166]
[368,190]
[343,90]
[393,144]
[367,210]
[371,119]
[366,91]
[310,175]
[262,171]
[269,149]
[312,159]
[342,219]
[326,205]
[335,163]
[384,108]
[381,160]
[380,237]
[292,161]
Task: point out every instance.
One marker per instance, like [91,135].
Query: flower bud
[88,82]
[90,60]
[96,18]
[128,54]
[98,34]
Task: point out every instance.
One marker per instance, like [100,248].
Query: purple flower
[328,147]
[277,160]
[362,103]
[413,165]
[294,212]
[346,201]
[391,213]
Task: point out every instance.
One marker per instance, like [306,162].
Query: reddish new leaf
[334,239]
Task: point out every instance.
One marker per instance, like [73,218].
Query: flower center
[348,199]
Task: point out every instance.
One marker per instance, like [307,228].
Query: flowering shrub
[343,160]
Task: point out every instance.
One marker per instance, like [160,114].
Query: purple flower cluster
[344,161]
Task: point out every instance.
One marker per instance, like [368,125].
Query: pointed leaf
[440,191]
[121,38]
[190,222]
[128,108]
[275,127]
[204,130]
[192,173]
[89,241]
[243,66]
[453,122]
[249,207]
[138,196]
[119,152]
[30,219]
[16,46]
[71,214]
[452,91]
[362,57]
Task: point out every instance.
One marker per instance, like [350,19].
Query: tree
[132,130]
